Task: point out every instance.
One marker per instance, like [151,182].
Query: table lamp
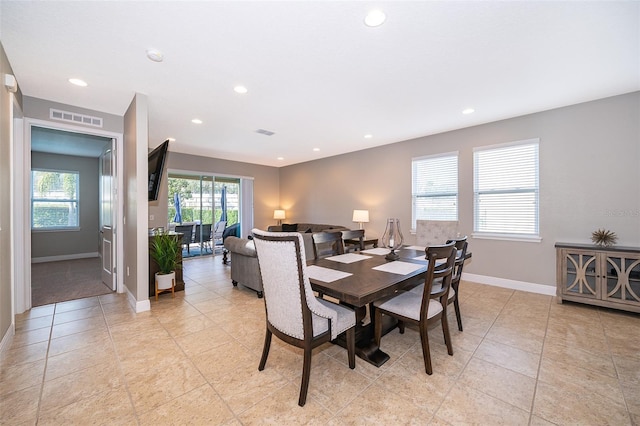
[361,216]
[278,214]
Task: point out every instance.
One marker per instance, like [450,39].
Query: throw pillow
[308,231]
[289,227]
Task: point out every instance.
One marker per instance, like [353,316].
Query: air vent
[72,117]
[265,132]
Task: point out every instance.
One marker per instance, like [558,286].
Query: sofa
[244,263]
[244,260]
[307,230]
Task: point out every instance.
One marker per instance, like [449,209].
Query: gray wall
[265,185]
[69,242]
[589,179]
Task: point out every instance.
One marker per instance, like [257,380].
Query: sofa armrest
[241,246]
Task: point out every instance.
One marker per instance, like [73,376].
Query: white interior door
[107,212]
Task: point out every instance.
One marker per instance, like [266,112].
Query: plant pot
[165,281]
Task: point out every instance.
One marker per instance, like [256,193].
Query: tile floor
[521,360]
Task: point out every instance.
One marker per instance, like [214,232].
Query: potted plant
[165,250]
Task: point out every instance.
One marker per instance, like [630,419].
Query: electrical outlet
[151,217]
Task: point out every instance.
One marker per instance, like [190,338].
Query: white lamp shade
[361,216]
[278,214]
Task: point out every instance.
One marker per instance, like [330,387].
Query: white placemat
[397,267]
[348,258]
[421,248]
[326,275]
[376,251]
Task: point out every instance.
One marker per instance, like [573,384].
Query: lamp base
[392,256]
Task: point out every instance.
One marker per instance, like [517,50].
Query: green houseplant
[165,250]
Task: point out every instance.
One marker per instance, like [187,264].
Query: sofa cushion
[289,227]
[240,245]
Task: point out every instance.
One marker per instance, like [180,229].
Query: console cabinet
[603,276]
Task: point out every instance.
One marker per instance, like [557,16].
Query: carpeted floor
[54,282]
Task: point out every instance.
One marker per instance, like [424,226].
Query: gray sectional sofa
[244,261]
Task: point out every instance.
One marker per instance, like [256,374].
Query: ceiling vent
[265,132]
[73,117]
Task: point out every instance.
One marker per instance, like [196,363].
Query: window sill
[507,237]
[70,229]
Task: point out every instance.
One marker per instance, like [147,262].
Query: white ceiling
[316,76]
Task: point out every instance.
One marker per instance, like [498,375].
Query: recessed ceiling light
[78,82]
[368,136]
[375,18]
[240,89]
[196,121]
[316,149]
[280,158]
[155,55]
[468,111]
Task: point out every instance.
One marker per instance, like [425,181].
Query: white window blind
[435,187]
[506,191]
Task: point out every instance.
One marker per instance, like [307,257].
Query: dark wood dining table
[366,285]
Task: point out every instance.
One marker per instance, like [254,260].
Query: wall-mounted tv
[157,158]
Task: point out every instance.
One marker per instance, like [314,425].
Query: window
[506,190]
[54,199]
[434,188]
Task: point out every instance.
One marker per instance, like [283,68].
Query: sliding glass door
[204,202]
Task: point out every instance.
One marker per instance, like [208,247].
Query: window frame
[434,195]
[75,200]
[535,190]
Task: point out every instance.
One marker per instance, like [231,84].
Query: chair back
[187,233]
[354,235]
[438,272]
[206,233]
[461,252]
[435,232]
[327,244]
[286,287]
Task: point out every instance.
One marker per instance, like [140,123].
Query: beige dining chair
[435,232]
[327,244]
[454,291]
[293,313]
[355,238]
[425,308]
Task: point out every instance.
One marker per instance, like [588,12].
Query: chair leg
[265,350]
[426,353]
[306,373]
[351,347]
[445,331]
[456,306]
[401,326]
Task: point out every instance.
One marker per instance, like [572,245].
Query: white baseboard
[7,338]
[64,257]
[138,305]
[512,284]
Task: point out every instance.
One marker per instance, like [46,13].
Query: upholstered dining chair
[327,244]
[294,314]
[356,235]
[454,291]
[435,232]
[422,309]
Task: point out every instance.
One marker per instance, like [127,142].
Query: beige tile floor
[522,360]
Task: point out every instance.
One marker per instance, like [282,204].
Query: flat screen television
[157,158]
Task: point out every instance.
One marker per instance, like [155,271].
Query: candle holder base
[392,256]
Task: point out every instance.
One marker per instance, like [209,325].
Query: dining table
[359,279]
